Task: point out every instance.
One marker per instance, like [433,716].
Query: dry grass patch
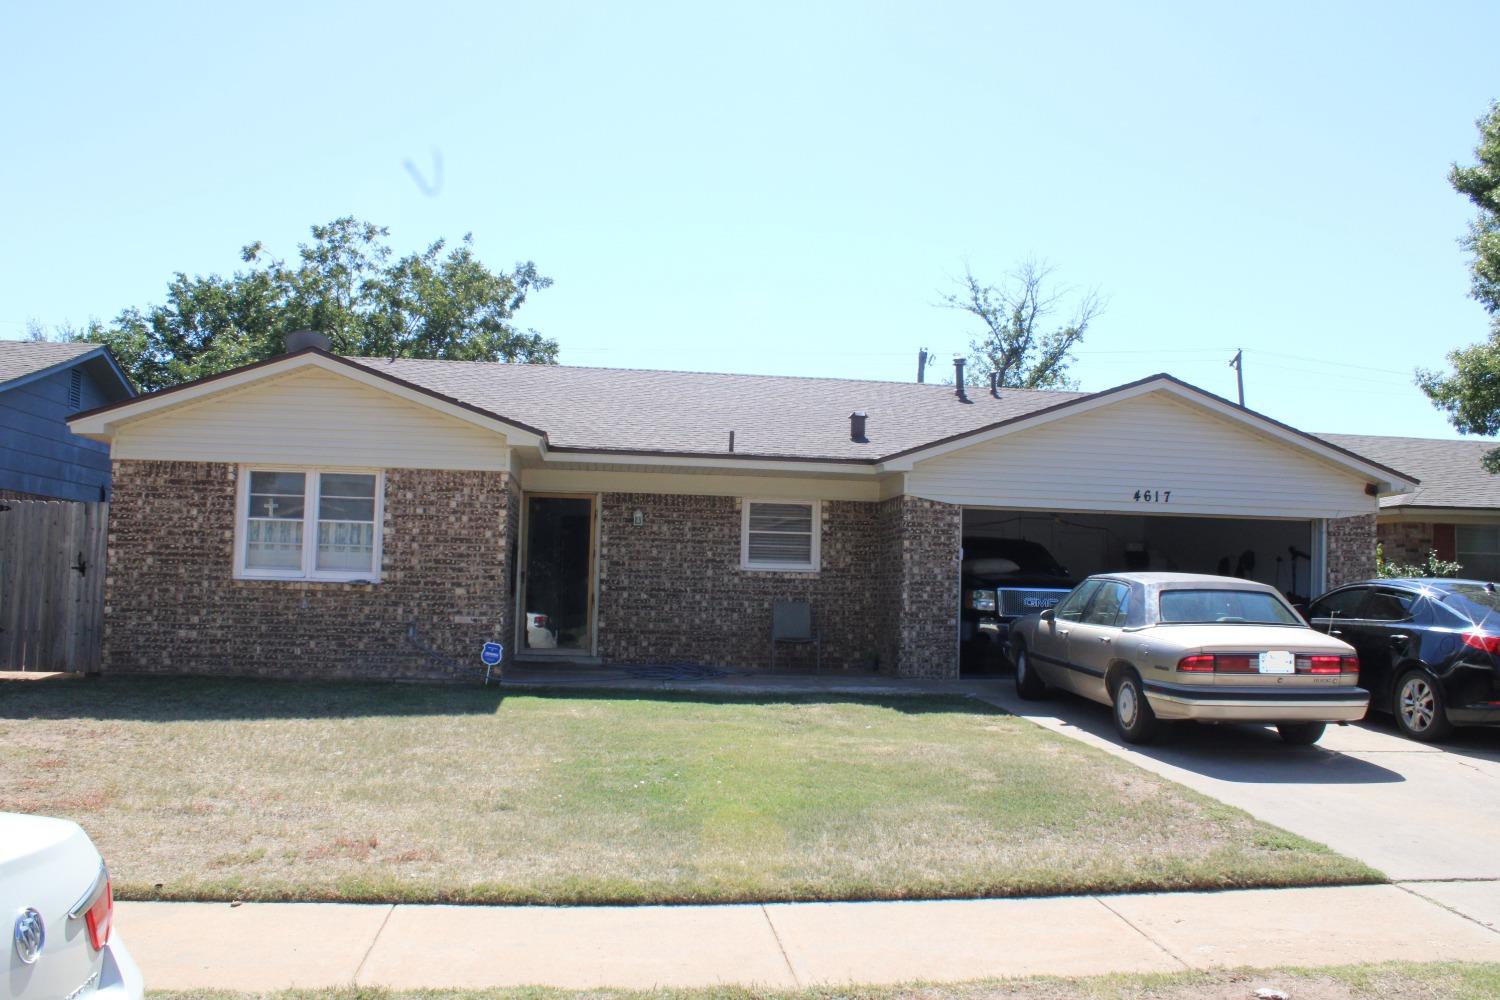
[202,789]
[1403,980]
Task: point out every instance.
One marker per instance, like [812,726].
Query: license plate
[1278,661]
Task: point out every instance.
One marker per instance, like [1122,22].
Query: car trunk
[46,865]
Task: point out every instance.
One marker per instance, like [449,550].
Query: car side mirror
[1047,615]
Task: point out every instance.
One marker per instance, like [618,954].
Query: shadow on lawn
[186,698]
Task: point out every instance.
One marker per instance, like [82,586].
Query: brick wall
[1351,549]
[672,591]
[1406,541]
[919,550]
[172,604]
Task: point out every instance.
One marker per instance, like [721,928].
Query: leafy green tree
[1470,393]
[346,283]
[1017,340]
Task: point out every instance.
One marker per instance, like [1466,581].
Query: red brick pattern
[1351,549]
[919,543]
[173,606]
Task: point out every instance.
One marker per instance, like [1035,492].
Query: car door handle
[1399,638]
[1334,631]
[1104,638]
[1063,632]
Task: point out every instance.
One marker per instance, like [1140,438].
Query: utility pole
[1238,364]
[922,365]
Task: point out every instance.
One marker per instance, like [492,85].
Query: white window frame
[312,490]
[812,566]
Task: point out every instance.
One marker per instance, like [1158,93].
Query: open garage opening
[1018,562]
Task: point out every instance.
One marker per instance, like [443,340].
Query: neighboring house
[1455,512]
[41,386]
[321,516]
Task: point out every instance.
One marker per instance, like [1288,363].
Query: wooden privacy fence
[51,584]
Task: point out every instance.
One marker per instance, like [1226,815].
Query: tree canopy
[1017,339]
[347,283]
[1470,393]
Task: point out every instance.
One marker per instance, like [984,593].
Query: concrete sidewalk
[268,946]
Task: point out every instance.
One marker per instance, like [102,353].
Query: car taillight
[541,621]
[100,916]
[1480,641]
[1249,663]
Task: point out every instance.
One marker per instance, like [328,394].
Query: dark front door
[557,599]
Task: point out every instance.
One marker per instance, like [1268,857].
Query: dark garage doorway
[1268,550]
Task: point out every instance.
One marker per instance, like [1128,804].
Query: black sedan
[1429,649]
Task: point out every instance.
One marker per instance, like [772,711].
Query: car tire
[1134,718]
[1029,684]
[1301,734]
[1420,710]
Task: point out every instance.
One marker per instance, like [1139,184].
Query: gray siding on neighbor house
[38,454]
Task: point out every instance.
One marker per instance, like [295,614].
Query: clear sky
[790,188]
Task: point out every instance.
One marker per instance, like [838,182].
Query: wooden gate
[52,584]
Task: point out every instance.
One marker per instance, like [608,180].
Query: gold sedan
[1180,646]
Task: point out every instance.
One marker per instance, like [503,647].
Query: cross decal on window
[270,506]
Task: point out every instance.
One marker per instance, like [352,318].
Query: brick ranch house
[316,515]
[1455,509]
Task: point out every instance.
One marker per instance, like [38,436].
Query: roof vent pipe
[958,379]
[922,366]
[995,384]
[857,427]
[301,340]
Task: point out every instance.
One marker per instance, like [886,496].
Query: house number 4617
[1153,496]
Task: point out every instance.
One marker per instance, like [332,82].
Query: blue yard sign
[491,653]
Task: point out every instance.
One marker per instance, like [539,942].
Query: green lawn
[203,789]
[1399,980]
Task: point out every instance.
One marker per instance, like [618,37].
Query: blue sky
[790,188]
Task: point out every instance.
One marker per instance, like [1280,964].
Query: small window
[1339,604]
[298,524]
[1477,550]
[779,535]
[1071,608]
[1109,605]
[1386,605]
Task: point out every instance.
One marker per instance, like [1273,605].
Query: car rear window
[1472,599]
[1227,606]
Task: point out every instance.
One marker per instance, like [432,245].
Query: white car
[57,909]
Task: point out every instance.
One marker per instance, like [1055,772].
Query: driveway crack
[779,946]
[373,941]
[1444,906]
[1151,940]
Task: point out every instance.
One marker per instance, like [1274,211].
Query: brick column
[1351,549]
[917,582]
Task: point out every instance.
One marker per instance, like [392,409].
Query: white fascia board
[1385,482]
[859,469]
[102,426]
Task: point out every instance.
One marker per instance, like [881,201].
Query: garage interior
[1277,552]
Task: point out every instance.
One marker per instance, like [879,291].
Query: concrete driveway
[1426,816]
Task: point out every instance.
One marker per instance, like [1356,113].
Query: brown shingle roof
[1451,471]
[612,409]
[19,358]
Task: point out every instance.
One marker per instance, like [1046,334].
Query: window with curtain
[779,534]
[309,525]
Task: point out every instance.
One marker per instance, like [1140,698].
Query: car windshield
[1474,600]
[987,556]
[1227,606]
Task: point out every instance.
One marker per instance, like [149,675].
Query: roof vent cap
[857,427]
[301,340]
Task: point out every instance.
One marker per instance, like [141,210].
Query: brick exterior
[919,543]
[1351,549]
[672,590]
[1406,542]
[173,606]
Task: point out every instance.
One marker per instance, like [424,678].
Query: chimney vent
[958,379]
[857,427]
[995,384]
[301,340]
[922,366]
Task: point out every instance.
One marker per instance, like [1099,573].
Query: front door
[558,586]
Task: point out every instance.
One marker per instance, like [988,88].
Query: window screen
[780,534]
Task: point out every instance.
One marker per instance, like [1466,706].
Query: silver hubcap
[1418,705]
[1125,704]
